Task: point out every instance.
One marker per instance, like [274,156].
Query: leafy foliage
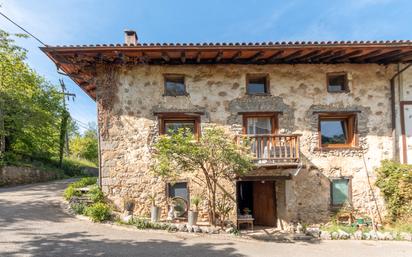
[71,191]
[30,107]
[99,212]
[212,158]
[96,194]
[78,208]
[85,146]
[395,182]
[142,223]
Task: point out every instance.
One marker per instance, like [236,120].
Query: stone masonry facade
[128,98]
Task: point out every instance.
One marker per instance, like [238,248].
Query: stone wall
[128,97]
[12,175]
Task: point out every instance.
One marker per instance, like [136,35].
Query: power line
[33,36]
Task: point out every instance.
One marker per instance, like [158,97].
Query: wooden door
[264,203]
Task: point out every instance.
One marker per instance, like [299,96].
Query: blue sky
[92,22]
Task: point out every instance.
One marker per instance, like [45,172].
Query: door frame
[253,180]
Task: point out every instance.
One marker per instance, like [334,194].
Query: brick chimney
[130,37]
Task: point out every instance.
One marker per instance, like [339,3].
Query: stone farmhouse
[320,115]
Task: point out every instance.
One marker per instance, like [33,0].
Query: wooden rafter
[402,56]
[384,55]
[198,57]
[183,56]
[334,55]
[236,56]
[219,56]
[165,57]
[308,55]
[275,56]
[345,57]
[319,55]
[359,58]
[256,56]
[292,56]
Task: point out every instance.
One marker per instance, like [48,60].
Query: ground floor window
[340,191]
[179,197]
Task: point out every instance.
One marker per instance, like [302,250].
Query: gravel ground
[32,223]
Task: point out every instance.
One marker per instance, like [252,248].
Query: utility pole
[64,135]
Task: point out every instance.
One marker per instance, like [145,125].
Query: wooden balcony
[271,149]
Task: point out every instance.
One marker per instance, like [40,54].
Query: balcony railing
[272,149]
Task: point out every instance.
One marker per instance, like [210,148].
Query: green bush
[99,212]
[142,223]
[395,181]
[70,191]
[95,194]
[78,208]
[336,227]
[83,182]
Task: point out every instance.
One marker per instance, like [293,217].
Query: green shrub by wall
[99,212]
[395,181]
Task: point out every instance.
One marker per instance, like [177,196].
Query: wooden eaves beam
[165,57]
[334,55]
[346,57]
[292,56]
[320,55]
[237,56]
[256,56]
[366,55]
[198,57]
[399,57]
[275,56]
[308,55]
[183,57]
[384,55]
[219,56]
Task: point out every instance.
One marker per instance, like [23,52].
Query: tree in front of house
[210,160]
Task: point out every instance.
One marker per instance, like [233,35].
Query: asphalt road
[32,223]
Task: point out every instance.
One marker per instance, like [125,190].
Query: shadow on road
[82,244]
[36,202]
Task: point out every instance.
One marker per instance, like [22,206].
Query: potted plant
[193,214]
[155,210]
[129,205]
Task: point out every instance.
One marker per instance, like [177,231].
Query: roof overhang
[79,62]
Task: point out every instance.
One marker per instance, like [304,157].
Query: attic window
[257,84]
[337,82]
[175,85]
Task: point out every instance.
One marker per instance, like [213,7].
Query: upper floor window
[337,82]
[175,85]
[171,123]
[337,130]
[340,191]
[257,84]
[172,126]
[259,123]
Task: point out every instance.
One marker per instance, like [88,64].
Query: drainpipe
[393,110]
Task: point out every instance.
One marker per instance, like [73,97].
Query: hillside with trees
[33,117]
